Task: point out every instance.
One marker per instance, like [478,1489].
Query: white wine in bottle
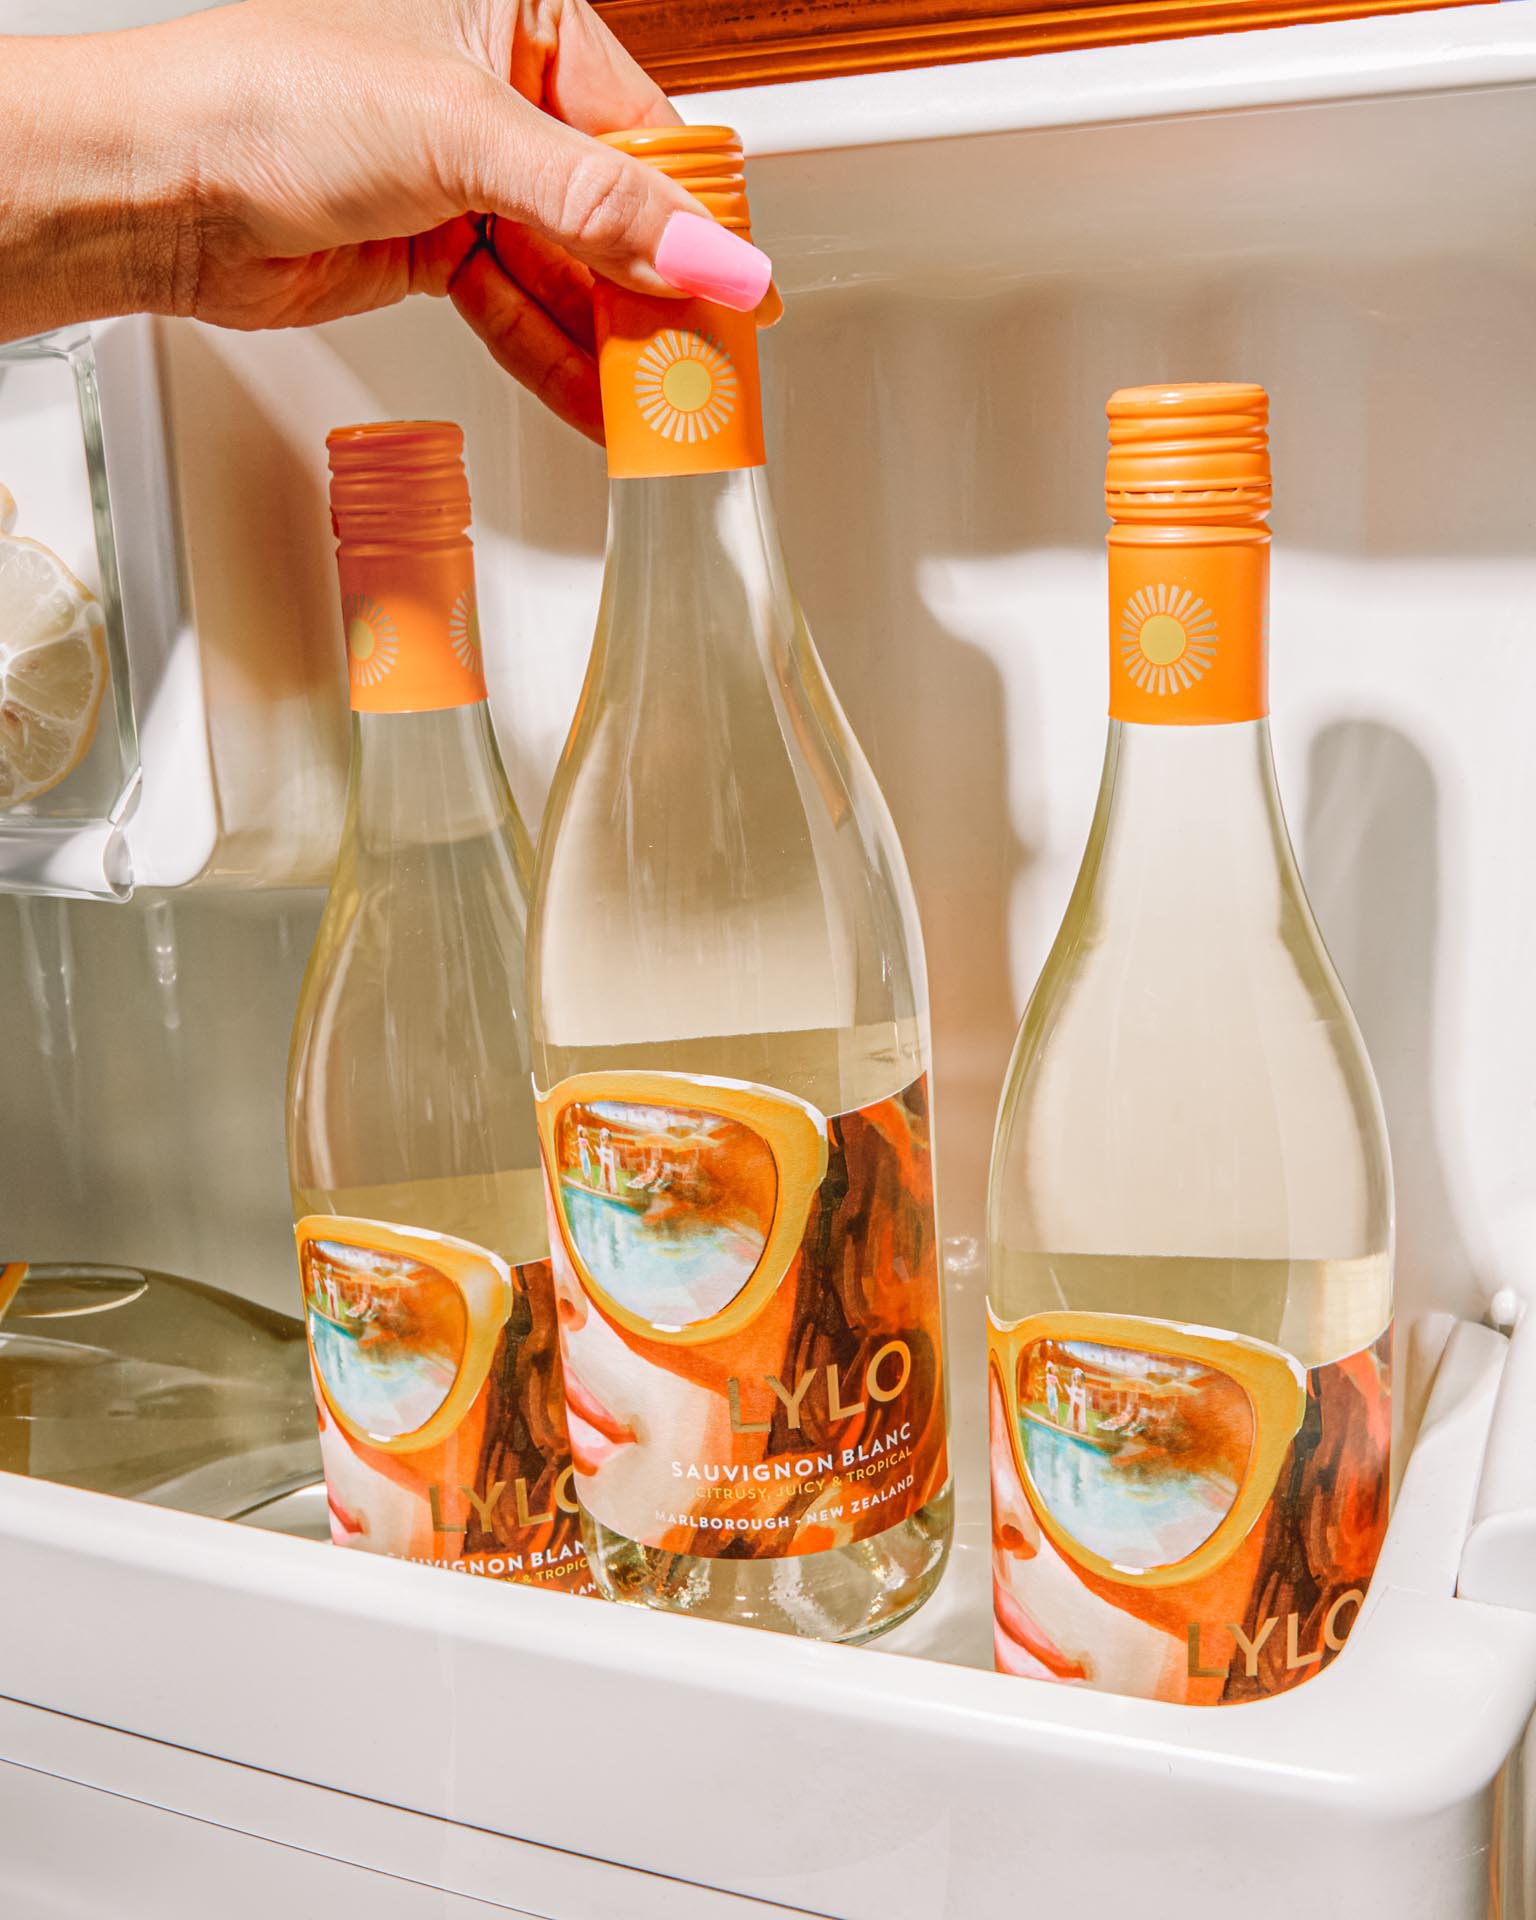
[412,1145]
[1190,1212]
[731,1040]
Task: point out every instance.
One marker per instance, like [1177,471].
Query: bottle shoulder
[1190,1077]
[727,845]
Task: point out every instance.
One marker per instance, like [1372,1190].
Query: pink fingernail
[701,257]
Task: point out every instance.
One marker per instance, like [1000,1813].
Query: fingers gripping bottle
[1190,1214]
[731,1044]
[413,1151]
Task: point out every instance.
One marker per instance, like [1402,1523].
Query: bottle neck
[412,624]
[680,386]
[423,778]
[425,766]
[1190,866]
[1188,625]
[1189,831]
[694,588]
[1188,804]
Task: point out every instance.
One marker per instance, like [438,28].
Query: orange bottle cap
[399,482]
[1187,486]
[400,508]
[705,160]
[679,378]
[1188,456]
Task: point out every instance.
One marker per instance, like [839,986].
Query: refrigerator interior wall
[959,309]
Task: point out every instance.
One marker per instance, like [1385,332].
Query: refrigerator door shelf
[1360,144]
[868,1785]
[1301,65]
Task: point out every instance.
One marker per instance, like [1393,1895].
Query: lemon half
[53,667]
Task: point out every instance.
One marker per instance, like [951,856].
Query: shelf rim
[1451,50]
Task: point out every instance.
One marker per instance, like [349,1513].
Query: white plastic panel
[173,1831]
[146,1863]
[1498,1563]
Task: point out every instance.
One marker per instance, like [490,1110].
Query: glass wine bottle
[1190,1212]
[731,1045]
[413,1150]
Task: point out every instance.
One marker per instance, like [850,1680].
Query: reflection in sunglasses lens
[668,1207]
[388,1334]
[1137,1456]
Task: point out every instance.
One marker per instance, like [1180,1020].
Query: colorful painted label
[750,1313]
[412,627]
[442,1421]
[1176,1513]
[679,384]
[1188,642]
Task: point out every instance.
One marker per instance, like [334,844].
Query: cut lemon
[53,668]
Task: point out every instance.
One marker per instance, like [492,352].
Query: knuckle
[599,203]
[539,23]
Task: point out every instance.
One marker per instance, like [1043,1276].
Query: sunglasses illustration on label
[681,1220]
[1185,1479]
[437,1382]
[1145,1465]
[749,1310]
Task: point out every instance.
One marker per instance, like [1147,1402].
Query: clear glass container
[68,840]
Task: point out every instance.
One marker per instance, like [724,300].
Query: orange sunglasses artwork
[403,1327]
[680,1202]
[1146,1449]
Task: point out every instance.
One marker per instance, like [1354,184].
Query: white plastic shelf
[855,1783]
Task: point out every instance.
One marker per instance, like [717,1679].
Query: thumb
[623,219]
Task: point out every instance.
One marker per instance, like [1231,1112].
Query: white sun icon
[372,645]
[1168,638]
[464,631]
[685,386]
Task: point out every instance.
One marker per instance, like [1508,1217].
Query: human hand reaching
[270,165]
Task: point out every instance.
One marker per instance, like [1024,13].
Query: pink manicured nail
[701,257]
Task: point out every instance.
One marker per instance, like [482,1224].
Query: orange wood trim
[688,46]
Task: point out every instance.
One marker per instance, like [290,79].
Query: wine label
[436,1369]
[412,626]
[1188,642]
[749,1311]
[1177,1513]
[679,383]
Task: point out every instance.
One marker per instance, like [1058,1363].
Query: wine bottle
[1190,1208]
[731,1041]
[413,1149]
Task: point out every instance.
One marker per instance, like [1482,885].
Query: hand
[275,168]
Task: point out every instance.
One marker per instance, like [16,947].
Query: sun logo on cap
[1168,638]
[464,631]
[685,386]
[372,645]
